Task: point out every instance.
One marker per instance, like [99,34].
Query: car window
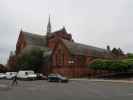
[30,72]
[26,73]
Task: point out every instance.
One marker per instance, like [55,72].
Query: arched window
[59,58]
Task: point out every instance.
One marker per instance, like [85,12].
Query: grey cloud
[93,22]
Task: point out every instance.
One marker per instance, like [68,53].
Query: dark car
[57,78]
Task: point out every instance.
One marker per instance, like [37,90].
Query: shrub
[118,66]
[111,65]
[130,55]
[129,62]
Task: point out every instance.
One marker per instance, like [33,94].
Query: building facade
[68,57]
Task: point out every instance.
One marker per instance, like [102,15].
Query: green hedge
[130,55]
[112,65]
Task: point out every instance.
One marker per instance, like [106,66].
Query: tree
[2,68]
[108,47]
[11,63]
[115,51]
[31,60]
[118,53]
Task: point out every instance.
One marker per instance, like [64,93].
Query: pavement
[75,89]
[105,80]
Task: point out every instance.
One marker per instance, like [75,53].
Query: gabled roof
[58,32]
[62,30]
[34,39]
[85,50]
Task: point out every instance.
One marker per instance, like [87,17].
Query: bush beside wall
[112,65]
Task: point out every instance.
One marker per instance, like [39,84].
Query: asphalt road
[74,90]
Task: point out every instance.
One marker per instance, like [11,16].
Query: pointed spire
[64,29]
[49,26]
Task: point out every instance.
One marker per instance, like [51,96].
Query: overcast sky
[93,22]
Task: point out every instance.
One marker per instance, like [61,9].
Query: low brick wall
[99,73]
[72,72]
[79,72]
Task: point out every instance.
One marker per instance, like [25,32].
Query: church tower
[49,27]
[48,31]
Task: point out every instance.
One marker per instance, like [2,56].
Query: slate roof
[85,50]
[31,47]
[34,39]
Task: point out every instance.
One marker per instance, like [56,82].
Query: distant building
[68,57]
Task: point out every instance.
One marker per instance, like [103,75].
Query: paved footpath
[76,89]
[104,80]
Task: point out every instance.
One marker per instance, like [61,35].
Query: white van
[10,75]
[26,75]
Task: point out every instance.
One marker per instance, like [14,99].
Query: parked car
[57,78]
[10,75]
[2,75]
[26,75]
[40,76]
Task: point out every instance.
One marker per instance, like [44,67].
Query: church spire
[49,26]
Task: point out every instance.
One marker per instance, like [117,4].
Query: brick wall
[72,72]
[76,72]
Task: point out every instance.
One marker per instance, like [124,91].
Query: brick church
[68,57]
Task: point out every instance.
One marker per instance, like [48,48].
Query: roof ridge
[84,44]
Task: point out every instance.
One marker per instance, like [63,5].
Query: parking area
[73,90]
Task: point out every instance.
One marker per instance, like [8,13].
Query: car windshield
[60,76]
[30,72]
[52,75]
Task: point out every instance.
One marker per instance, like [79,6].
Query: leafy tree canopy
[31,60]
